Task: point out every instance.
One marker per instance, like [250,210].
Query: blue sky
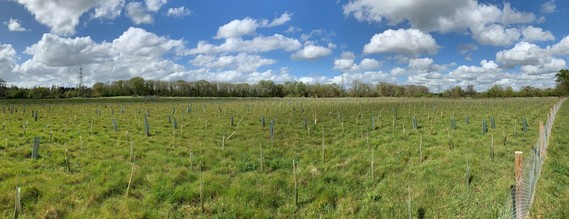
[436,43]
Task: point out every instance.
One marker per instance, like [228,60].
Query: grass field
[354,158]
[552,195]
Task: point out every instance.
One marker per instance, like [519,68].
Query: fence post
[541,141]
[518,208]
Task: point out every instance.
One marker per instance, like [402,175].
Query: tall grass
[230,182]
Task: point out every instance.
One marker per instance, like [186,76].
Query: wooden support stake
[323,155]
[18,206]
[261,155]
[518,208]
[202,194]
[130,179]
[295,185]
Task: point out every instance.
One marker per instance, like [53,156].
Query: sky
[436,43]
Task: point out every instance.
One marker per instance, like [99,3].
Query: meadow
[234,158]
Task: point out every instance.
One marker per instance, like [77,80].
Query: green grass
[552,194]
[166,181]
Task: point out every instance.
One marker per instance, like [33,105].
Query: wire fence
[527,171]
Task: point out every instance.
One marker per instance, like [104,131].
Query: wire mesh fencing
[527,171]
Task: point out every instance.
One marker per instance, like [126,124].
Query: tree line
[137,86]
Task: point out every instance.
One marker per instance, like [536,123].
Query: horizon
[439,44]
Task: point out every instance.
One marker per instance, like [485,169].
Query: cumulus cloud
[525,64]
[496,35]
[109,9]
[141,43]
[561,48]
[482,20]
[532,59]
[283,19]
[522,53]
[154,5]
[368,64]
[8,60]
[548,7]
[242,62]
[411,42]
[547,66]
[255,45]
[60,16]
[178,12]
[536,34]
[512,16]
[346,63]
[237,28]
[232,76]
[56,51]
[311,52]
[14,25]
[138,14]
[248,26]
[466,48]
[135,53]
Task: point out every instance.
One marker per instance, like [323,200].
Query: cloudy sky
[437,43]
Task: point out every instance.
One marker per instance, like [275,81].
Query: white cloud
[512,16]
[237,28]
[56,51]
[248,26]
[522,53]
[14,25]
[283,19]
[548,7]
[257,44]
[138,42]
[346,63]
[561,48]
[534,60]
[496,35]
[410,42]
[481,19]
[293,29]
[311,52]
[60,16]
[55,60]
[466,48]
[138,14]
[8,60]
[533,34]
[368,64]
[109,9]
[154,5]
[420,63]
[242,62]
[178,12]
[548,66]
[232,76]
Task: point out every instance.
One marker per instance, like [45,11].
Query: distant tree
[563,81]
[508,92]
[16,93]
[470,91]
[495,91]
[416,90]
[454,92]
[137,86]
[100,90]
